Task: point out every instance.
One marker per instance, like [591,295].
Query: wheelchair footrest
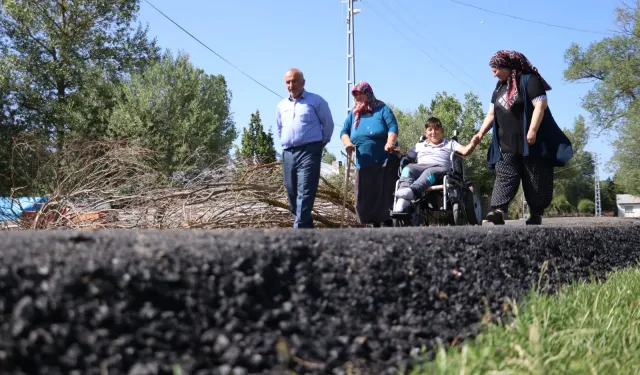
[400,215]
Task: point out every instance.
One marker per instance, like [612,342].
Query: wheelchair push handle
[399,154]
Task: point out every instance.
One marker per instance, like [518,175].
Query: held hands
[531,138]
[476,139]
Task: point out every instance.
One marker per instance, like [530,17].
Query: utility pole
[351,51]
[598,204]
[351,79]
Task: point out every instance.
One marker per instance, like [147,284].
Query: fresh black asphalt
[252,301]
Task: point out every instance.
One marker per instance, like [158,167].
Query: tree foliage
[55,49]
[177,110]
[85,70]
[575,181]
[613,65]
[257,145]
[560,206]
[586,206]
[328,157]
[608,191]
[626,157]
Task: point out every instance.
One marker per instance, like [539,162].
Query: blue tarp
[12,209]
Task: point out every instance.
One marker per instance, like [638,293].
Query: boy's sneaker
[496,217]
[405,193]
[401,205]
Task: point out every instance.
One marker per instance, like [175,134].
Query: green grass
[586,328]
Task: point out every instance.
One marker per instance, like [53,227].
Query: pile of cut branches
[116,185]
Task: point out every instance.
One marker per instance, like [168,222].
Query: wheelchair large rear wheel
[473,207]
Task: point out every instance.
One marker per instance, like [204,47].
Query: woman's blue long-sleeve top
[371,135]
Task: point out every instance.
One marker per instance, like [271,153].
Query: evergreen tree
[256,145]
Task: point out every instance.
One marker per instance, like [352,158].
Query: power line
[531,21]
[425,39]
[418,21]
[214,52]
[420,48]
[573,166]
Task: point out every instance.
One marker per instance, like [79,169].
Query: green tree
[626,156]
[57,48]
[560,206]
[575,181]
[586,206]
[60,63]
[613,65]
[449,110]
[257,146]
[328,157]
[608,191]
[411,124]
[177,110]
[476,163]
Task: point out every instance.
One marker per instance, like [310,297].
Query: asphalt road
[262,301]
[578,221]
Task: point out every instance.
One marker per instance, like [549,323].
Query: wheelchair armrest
[455,159]
[406,160]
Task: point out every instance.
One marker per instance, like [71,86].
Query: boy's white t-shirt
[439,154]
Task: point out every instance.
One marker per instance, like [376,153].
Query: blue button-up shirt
[305,120]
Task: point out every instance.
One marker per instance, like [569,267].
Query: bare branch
[115,185]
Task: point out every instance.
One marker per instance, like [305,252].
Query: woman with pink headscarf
[371,130]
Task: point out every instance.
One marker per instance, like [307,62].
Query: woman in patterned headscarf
[371,130]
[527,143]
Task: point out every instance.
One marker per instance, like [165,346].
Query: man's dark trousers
[301,169]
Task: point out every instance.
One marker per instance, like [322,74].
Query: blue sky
[266,37]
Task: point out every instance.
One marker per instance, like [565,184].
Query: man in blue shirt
[305,126]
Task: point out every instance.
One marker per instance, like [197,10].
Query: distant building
[628,205]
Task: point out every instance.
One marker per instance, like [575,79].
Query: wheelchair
[450,201]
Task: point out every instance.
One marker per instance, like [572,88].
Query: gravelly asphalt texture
[241,302]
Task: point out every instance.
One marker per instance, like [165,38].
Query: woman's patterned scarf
[518,64]
[366,107]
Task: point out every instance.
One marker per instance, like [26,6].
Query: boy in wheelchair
[434,160]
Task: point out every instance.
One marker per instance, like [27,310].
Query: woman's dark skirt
[374,192]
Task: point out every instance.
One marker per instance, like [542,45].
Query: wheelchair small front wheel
[402,222]
[459,214]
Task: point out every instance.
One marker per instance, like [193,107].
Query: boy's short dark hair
[433,122]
